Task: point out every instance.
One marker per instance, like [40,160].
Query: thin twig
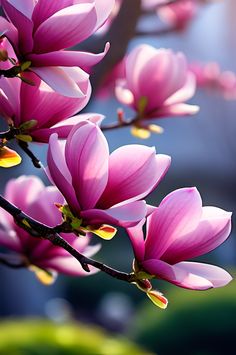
[24,146]
[10,133]
[157,32]
[12,72]
[40,230]
[118,124]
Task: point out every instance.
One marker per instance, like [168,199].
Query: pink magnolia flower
[179,14]
[179,229]
[100,188]
[30,195]
[39,31]
[157,83]
[20,103]
[210,76]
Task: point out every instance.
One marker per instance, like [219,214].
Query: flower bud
[144,285]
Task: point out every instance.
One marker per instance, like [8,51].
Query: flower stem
[24,146]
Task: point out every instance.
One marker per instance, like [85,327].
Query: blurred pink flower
[100,188]
[40,31]
[157,83]
[179,14]
[179,229]
[30,195]
[209,76]
[21,102]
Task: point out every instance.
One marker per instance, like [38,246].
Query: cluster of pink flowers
[96,191]
[209,76]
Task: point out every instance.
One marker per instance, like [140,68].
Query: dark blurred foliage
[195,323]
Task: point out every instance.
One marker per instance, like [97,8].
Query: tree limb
[40,230]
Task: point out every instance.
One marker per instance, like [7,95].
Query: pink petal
[125,216]
[134,171]
[19,13]
[135,62]
[8,236]
[83,60]
[59,80]
[200,274]
[167,72]
[43,209]
[175,110]
[60,172]
[6,110]
[64,127]
[65,28]
[47,106]
[185,93]
[10,97]
[179,213]
[24,7]
[29,186]
[87,159]
[137,240]
[123,94]
[213,229]
[195,276]
[103,10]
[9,31]
[45,9]
[162,270]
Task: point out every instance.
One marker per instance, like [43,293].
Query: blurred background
[203,150]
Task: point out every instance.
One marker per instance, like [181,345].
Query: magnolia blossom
[30,195]
[157,83]
[180,229]
[20,103]
[179,14]
[39,31]
[100,188]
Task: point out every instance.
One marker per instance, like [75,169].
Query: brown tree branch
[40,230]
[24,146]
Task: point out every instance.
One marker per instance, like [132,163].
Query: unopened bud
[144,285]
